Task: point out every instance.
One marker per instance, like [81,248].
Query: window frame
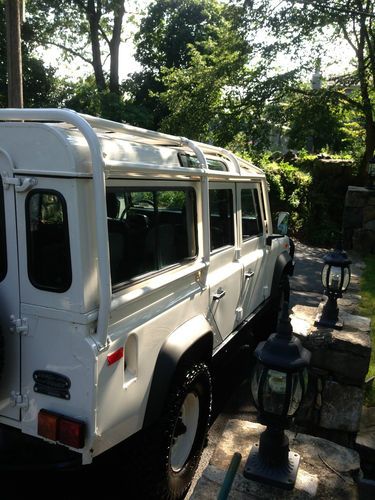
[66,234]
[147,187]
[3,235]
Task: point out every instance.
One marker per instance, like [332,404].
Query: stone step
[365,441]
[327,470]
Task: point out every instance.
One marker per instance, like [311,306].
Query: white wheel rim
[182,443]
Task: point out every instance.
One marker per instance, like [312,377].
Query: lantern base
[335,325]
[322,320]
[282,475]
[328,317]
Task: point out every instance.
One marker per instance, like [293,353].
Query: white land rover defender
[129,260]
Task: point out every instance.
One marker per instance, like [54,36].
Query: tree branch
[71,51]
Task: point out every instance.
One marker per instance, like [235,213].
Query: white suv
[129,260]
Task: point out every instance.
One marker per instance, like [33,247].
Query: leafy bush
[312,191]
[289,191]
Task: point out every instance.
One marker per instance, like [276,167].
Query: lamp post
[335,280]
[371,173]
[278,385]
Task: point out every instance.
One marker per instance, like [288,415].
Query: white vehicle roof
[61,147]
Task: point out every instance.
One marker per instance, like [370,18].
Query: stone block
[371,198]
[364,241]
[336,350]
[356,196]
[365,441]
[352,218]
[369,226]
[369,213]
[341,407]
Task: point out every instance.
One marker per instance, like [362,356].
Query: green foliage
[170,27]
[191,51]
[316,123]
[312,191]
[289,190]
[367,308]
[306,30]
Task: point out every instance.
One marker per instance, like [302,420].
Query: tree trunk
[93,17]
[367,105]
[114,47]
[14,56]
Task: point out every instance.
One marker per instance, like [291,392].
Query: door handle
[219,294]
[249,275]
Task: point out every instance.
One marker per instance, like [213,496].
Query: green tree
[316,123]
[294,25]
[163,42]
[90,30]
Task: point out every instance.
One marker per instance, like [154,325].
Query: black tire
[165,475]
[2,354]
[283,295]
[270,318]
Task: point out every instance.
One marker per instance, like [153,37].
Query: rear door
[225,272]
[10,321]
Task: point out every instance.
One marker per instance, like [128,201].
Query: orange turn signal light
[68,431]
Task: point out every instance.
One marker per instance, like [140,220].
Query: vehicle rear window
[48,249]
[149,229]
[3,244]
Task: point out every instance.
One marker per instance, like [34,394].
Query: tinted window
[221,218]
[3,245]
[189,161]
[48,250]
[149,229]
[251,219]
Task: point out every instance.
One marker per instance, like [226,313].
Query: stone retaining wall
[339,364]
[359,220]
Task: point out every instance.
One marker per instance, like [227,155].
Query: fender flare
[192,340]
[283,265]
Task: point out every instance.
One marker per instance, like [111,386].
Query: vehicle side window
[3,245]
[149,229]
[48,249]
[251,217]
[221,218]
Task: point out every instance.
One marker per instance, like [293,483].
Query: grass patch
[367,308]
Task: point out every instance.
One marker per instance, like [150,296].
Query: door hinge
[19,325]
[19,400]
[21,184]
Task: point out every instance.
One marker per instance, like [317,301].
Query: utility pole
[13,16]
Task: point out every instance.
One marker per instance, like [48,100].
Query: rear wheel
[270,319]
[173,446]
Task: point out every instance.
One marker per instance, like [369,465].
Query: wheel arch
[192,340]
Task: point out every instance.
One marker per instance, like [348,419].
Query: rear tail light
[57,427]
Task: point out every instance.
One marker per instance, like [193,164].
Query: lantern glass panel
[299,382]
[346,279]
[255,380]
[325,275]
[335,278]
[274,391]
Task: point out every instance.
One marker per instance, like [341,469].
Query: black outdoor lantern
[335,280]
[371,173]
[278,385]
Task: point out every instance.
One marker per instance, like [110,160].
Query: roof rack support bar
[73,118]
[205,195]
